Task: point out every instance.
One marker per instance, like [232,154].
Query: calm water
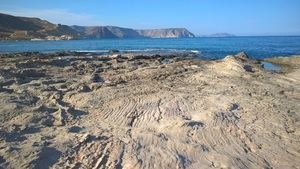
[256,47]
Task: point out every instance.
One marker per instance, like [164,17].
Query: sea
[205,47]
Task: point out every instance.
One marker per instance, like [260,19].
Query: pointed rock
[242,55]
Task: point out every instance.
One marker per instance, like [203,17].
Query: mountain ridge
[14,28]
[27,28]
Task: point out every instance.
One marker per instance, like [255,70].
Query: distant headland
[25,28]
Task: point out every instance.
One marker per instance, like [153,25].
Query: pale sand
[148,112]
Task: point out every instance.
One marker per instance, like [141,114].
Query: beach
[80,110]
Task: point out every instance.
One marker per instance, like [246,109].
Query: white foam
[195,51]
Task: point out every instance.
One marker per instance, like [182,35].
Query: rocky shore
[80,110]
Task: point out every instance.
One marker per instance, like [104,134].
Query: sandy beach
[78,110]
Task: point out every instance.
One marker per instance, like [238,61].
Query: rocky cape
[24,28]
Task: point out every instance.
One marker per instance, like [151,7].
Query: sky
[202,17]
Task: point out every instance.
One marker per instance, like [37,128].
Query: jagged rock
[84,88]
[54,97]
[48,121]
[29,73]
[242,55]
[85,138]
[95,86]
[120,60]
[113,51]
[104,58]
[115,56]
[74,129]
[122,57]
[95,78]
[249,68]
[59,117]
[6,90]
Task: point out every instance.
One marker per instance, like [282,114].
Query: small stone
[95,86]
[112,51]
[35,144]
[85,138]
[55,96]
[63,86]
[48,121]
[84,88]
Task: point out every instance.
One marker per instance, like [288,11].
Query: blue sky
[240,17]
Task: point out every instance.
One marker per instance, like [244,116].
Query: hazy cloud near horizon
[57,16]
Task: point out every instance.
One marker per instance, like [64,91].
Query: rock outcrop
[102,32]
[98,32]
[166,33]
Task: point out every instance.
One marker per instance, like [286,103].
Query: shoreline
[209,48]
[147,52]
[205,37]
[148,111]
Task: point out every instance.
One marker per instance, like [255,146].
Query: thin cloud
[62,16]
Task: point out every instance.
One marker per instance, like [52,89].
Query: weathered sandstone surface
[130,111]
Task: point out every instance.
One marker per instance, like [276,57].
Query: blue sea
[207,47]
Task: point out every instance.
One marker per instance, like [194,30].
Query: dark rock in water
[29,54]
[62,53]
[113,51]
[242,55]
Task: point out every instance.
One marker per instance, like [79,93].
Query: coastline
[136,110]
[209,48]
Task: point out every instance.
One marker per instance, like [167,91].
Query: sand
[68,110]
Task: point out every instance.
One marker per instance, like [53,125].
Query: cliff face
[117,32]
[99,32]
[13,28]
[166,33]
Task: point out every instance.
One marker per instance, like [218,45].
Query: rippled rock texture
[147,111]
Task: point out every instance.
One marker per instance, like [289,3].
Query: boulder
[242,55]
